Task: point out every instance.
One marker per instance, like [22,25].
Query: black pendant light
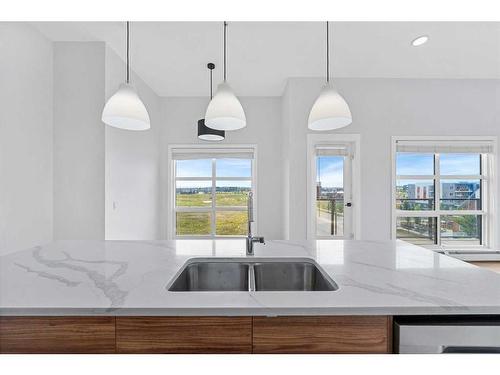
[204,132]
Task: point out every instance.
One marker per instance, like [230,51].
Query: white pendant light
[330,110]
[225,112]
[125,110]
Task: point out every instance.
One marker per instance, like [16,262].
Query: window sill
[478,254]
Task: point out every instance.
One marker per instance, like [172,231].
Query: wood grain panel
[322,334]
[57,334]
[184,334]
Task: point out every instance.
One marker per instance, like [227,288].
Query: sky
[330,171]
[224,168]
[330,168]
[450,164]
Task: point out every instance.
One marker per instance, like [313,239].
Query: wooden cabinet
[184,334]
[135,334]
[322,334]
[57,334]
[310,334]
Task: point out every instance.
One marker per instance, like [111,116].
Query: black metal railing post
[333,218]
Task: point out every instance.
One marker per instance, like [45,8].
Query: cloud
[450,164]
[224,168]
[330,171]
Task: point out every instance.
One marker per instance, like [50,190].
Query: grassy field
[193,200]
[226,222]
[231,223]
[326,206]
[205,200]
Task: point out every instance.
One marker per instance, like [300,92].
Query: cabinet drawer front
[184,334]
[57,334]
[322,334]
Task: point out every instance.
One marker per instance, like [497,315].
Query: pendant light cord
[327,53]
[128,52]
[211,67]
[225,32]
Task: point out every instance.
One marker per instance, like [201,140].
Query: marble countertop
[130,278]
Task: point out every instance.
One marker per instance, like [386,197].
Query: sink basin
[251,275]
[287,275]
[214,276]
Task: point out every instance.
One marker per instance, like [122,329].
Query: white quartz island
[127,278]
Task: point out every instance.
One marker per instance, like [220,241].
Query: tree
[467,224]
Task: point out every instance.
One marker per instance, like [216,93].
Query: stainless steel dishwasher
[447,334]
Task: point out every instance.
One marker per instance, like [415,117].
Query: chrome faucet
[250,238]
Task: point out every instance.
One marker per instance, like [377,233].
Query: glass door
[333,206]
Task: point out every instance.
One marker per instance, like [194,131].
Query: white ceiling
[171,57]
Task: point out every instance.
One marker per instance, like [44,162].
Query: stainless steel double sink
[256,274]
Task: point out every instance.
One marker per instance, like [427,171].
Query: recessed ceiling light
[420,40]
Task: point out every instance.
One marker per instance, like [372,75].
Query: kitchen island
[111,296]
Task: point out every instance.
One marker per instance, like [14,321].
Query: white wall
[180,118]
[63,173]
[132,165]
[78,140]
[286,120]
[25,137]
[382,108]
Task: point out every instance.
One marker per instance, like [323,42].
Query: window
[330,186]
[211,190]
[441,193]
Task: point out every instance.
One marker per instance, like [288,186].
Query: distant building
[460,190]
[454,195]
[420,191]
[461,195]
[329,192]
[318,189]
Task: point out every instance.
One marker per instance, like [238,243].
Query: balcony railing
[334,209]
[407,204]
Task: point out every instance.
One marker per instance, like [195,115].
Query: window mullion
[463,177]
[206,209]
[212,216]
[230,208]
[460,212]
[437,197]
[483,202]
[173,201]
[234,178]
[415,177]
[193,178]
[423,213]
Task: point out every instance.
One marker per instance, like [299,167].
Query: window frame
[172,209]
[353,142]
[487,178]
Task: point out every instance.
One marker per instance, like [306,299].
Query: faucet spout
[250,207]
[250,239]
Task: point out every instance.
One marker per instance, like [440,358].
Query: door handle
[348,204]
